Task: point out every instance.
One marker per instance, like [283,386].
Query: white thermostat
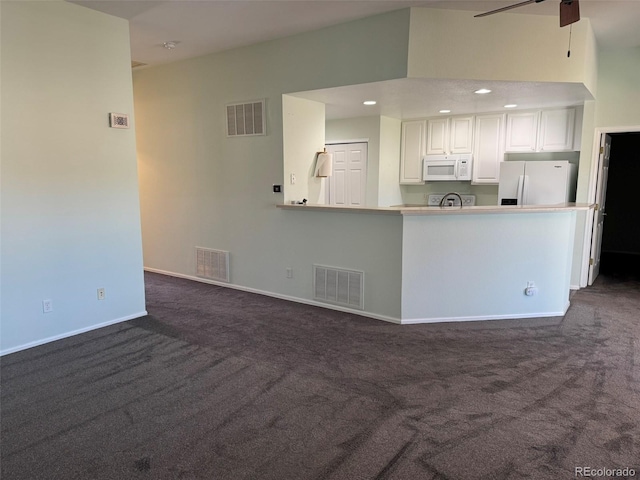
[118,120]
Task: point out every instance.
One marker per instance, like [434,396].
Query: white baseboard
[574,287]
[71,334]
[277,295]
[481,318]
[410,321]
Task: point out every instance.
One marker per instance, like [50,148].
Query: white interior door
[600,214]
[347,184]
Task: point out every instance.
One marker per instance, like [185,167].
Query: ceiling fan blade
[504,9]
[569,12]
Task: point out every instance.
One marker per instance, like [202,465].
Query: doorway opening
[615,247]
[620,248]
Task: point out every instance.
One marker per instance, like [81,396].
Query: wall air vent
[338,286]
[212,264]
[246,119]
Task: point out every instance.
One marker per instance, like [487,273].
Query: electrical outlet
[101,294]
[531,289]
[47,306]
[293,179]
[289,272]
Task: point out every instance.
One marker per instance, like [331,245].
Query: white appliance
[446,168]
[537,182]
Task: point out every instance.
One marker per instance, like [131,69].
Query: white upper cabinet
[449,135]
[488,148]
[556,130]
[437,136]
[541,131]
[522,132]
[412,149]
[461,134]
[488,137]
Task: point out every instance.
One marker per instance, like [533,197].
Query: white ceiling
[206,26]
[200,27]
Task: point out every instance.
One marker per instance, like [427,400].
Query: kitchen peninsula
[470,263]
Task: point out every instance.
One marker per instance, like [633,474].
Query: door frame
[591,195]
[604,162]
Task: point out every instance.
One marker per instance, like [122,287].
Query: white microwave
[446,168]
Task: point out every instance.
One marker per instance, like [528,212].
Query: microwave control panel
[464,169]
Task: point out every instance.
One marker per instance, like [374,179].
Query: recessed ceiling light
[445,111]
[510,105]
[369,102]
[482,91]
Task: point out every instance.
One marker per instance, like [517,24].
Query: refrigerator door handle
[520,189]
[525,190]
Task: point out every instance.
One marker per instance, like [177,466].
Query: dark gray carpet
[220,384]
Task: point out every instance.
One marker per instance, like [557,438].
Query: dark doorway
[621,234]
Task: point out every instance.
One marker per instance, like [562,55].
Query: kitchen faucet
[449,201]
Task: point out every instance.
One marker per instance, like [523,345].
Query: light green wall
[389,192]
[303,137]
[618,101]
[479,265]
[454,45]
[200,188]
[70,209]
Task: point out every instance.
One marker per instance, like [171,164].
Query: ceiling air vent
[246,119]
[339,286]
[212,264]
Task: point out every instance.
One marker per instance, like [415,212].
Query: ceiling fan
[569,10]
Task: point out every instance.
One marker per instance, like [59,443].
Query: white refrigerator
[537,182]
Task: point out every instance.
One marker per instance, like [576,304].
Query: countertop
[426,210]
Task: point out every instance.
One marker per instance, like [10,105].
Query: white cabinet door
[488,149]
[437,136]
[556,130]
[461,135]
[522,132]
[412,149]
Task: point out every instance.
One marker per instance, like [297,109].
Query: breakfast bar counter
[427,210]
[457,263]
